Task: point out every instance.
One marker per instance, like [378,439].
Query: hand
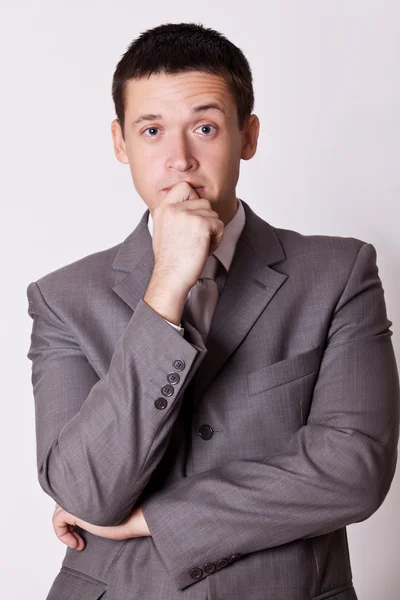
[186,231]
[63,524]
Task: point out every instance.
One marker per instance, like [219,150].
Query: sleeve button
[167,390]
[234,557]
[209,568]
[222,562]
[160,403]
[195,573]
[179,364]
[173,378]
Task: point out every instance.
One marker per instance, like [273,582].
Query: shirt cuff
[178,327]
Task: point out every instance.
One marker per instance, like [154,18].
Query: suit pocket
[344,592]
[74,585]
[284,371]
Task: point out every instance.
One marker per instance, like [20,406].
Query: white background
[326,80]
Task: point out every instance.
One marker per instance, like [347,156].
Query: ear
[119,142]
[250,133]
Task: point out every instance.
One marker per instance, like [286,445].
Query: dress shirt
[225,250]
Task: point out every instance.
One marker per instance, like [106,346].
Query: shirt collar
[232,231]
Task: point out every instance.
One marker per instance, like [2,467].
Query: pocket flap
[74,585]
[284,371]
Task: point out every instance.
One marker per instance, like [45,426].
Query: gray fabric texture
[297,389]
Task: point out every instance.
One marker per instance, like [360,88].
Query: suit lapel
[249,287]
[135,261]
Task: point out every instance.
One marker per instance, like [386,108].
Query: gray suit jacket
[249,454]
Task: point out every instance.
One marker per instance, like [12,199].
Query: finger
[60,525]
[205,212]
[63,524]
[216,235]
[195,204]
[77,541]
[180,193]
[72,539]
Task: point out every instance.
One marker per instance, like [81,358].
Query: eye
[205,127]
[151,129]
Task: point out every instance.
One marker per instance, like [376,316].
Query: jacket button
[179,364]
[195,573]
[167,390]
[234,557]
[173,378]
[209,568]
[222,562]
[206,432]
[160,403]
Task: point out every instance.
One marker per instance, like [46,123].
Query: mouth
[195,187]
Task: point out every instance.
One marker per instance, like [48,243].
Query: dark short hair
[177,47]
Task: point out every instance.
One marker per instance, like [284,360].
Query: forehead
[164,92]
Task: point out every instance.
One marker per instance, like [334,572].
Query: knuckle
[206,203]
[199,221]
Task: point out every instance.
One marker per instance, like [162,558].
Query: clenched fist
[186,231]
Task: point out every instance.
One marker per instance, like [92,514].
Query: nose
[180,154]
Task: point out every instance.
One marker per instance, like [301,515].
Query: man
[216,398]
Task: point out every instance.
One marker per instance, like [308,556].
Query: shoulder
[334,253]
[298,248]
[92,272]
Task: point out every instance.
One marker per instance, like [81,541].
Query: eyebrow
[195,109]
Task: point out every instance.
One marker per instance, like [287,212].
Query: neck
[226,211]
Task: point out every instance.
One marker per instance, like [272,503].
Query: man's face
[169,139]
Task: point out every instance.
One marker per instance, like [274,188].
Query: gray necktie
[205,293]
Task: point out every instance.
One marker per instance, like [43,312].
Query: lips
[195,187]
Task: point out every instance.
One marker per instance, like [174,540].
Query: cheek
[140,163]
[217,157]
[142,177]
[225,163]
[139,155]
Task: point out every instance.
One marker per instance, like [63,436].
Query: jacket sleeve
[334,471]
[99,440]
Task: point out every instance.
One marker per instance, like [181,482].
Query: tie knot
[210,268]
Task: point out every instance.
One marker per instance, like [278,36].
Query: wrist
[166,299]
